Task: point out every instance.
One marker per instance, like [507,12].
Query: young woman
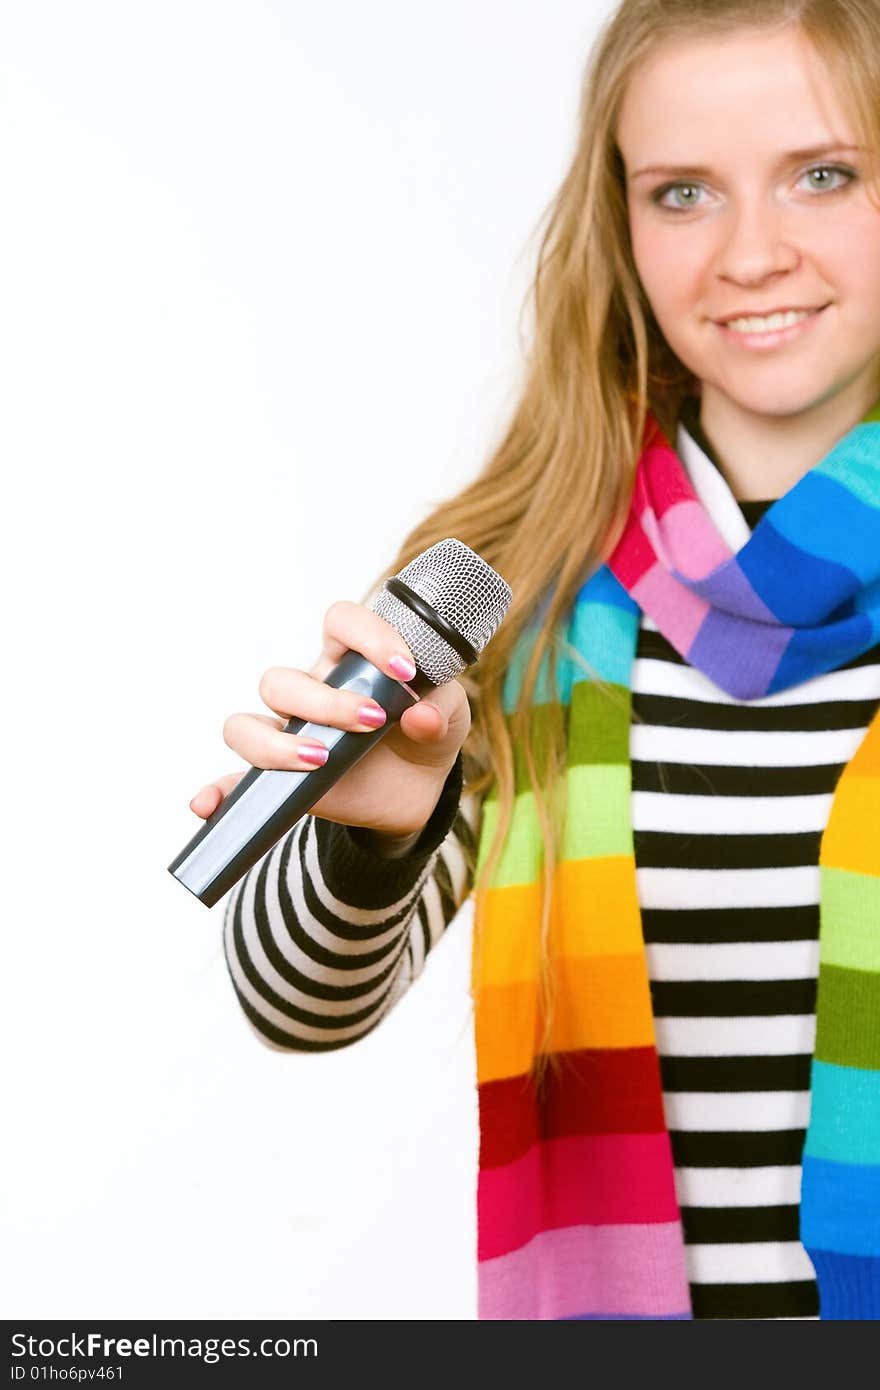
[662,780]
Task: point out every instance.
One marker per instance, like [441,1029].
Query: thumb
[441,714]
[424,722]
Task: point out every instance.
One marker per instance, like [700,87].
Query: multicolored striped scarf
[577,1212]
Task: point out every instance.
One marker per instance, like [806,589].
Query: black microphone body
[267,802]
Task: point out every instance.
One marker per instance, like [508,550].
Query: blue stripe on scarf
[849,1286]
[850,1191]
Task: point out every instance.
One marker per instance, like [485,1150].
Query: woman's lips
[759,341]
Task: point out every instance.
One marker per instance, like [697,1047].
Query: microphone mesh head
[463,590]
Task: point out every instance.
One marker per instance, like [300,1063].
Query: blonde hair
[552,499]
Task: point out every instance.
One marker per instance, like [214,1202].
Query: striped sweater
[729,800]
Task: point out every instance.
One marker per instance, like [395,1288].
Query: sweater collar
[734,518]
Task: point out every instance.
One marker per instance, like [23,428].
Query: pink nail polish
[402,667]
[371,714]
[310,753]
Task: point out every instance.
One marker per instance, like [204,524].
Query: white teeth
[771,324]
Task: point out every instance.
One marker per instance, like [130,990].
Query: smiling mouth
[752,332]
[768,323]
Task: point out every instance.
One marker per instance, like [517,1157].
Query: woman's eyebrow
[700,170]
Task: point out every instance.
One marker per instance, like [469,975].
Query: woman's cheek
[665,265]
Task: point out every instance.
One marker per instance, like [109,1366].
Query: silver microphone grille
[463,590]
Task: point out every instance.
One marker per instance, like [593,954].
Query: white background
[263,267]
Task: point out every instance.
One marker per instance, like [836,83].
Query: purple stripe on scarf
[728,588]
[724,649]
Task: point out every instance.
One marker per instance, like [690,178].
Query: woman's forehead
[704,93]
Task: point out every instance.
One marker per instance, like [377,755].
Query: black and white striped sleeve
[323,935]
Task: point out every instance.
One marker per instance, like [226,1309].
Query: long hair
[551,501]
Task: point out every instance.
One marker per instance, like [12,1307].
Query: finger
[208,798]
[262,742]
[354,627]
[290,691]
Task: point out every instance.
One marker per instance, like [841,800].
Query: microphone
[447,604]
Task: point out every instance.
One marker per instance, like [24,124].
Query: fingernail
[371,714]
[402,667]
[311,753]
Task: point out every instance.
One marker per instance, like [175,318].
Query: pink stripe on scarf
[685,541]
[682,612]
[636,1270]
[598,1179]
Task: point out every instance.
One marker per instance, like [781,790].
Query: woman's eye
[848,174]
[659,194]
[694,188]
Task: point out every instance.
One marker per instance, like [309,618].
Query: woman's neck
[763,456]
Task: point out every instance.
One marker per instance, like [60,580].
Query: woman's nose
[757,242]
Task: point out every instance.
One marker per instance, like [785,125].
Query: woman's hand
[392,790]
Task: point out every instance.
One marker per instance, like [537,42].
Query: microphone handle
[267,802]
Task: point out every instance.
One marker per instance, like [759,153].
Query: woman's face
[749,226]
